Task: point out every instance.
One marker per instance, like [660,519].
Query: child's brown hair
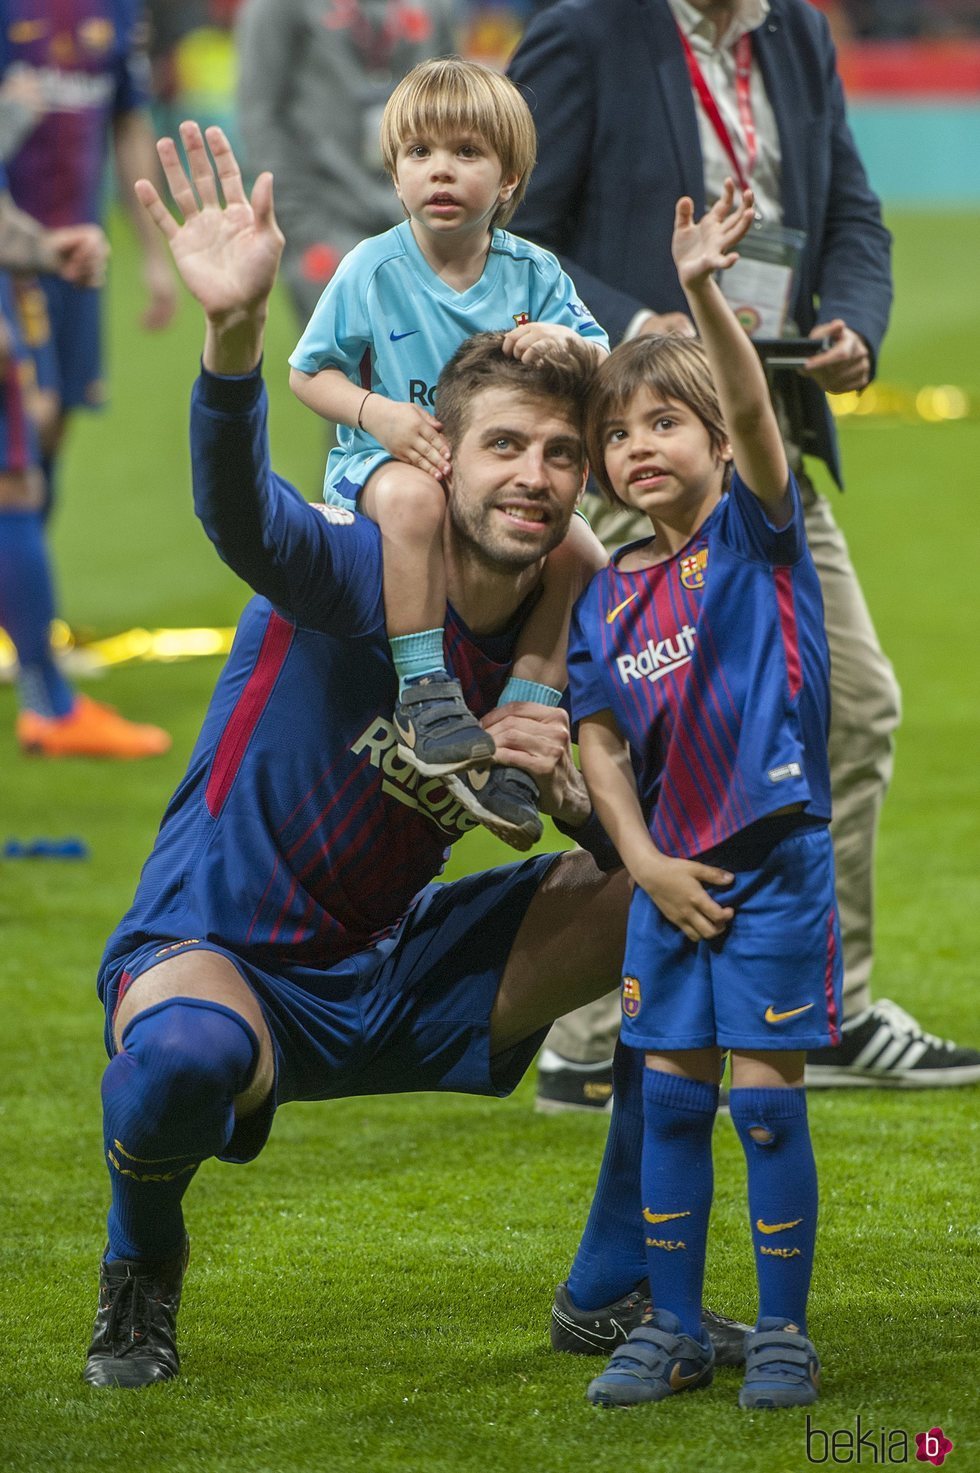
[669,366]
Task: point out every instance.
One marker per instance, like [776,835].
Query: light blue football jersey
[388,322]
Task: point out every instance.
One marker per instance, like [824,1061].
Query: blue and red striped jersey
[85,57]
[298,835]
[714,665]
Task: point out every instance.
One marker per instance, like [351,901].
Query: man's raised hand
[227,256]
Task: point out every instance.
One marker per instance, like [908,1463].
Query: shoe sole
[519,836]
[127,1379]
[788,1396]
[827,1076]
[607,1399]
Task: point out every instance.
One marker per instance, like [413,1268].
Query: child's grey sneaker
[781,1367]
[437,732]
[504,799]
[657,1361]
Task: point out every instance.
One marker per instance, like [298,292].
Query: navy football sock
[167,1105]
[26,611]
[611,1260]
[678,1184]
[782,1196]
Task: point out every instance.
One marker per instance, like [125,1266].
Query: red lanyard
[743,83]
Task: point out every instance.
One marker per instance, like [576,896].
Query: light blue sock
[417,656]
[678,1182]
[782,1196]
[529,690]
[26,611]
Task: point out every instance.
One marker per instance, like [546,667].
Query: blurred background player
[52,720]
[80,81]
[458,141]
[314,77]
[685,92]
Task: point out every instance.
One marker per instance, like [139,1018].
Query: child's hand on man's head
[533,341]
[700,248]
[410,434]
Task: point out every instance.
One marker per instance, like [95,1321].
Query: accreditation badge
[759,287]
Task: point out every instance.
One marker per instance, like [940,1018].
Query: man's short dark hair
[481,363]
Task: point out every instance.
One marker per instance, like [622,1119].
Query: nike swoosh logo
[396,337]
[776,1227]
[678,1382]
[407,734]
[662,1216]
[589,1335]
[620,607]
[771,1016]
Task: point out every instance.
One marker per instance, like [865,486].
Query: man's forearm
[136,158]
[233,346]
[25,244]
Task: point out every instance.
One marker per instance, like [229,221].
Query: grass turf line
[373,1292]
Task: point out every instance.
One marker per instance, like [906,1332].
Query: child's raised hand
[410,434]
[702,248]
[532,341]
[676,887]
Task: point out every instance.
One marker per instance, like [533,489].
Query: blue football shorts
[412,1013]
[772,981]
[74,367]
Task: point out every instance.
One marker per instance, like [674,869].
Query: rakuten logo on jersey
[658,658]
[403,782]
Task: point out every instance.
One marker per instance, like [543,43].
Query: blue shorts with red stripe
[772,981]
[18,434]
[74,367]
[411,1013]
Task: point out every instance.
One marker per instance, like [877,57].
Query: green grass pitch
[373,1293]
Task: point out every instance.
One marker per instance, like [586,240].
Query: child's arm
[533,340]
[408,433]
[676,886]
[699,250]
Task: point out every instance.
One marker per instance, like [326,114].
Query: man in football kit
[80,78]
[285,941]
[48,707]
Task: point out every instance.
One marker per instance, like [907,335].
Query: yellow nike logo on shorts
[772,1016]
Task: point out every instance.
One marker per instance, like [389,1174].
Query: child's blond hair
[448,95]
[671,367]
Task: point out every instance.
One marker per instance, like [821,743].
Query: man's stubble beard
[473,528]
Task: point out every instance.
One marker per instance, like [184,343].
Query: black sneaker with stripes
[885,1048]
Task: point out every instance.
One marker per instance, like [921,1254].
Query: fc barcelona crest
[631,996]
[692,568]
[520,318]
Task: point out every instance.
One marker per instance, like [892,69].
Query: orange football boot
[89,730]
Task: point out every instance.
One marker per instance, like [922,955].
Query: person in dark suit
[636,103]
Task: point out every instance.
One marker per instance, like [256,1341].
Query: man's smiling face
[518,470]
